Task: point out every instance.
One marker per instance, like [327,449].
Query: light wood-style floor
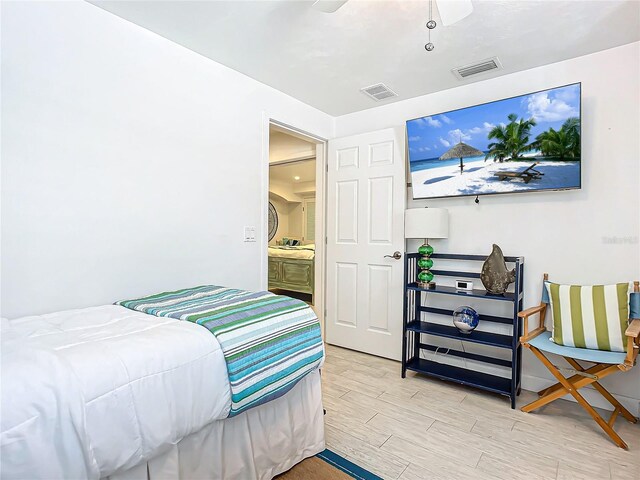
[420,428]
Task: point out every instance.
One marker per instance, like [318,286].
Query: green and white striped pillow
[594,316]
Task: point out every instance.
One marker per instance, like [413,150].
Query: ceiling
[286,173]
[325,59]
[285,147]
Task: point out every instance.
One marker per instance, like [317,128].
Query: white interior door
[366,196]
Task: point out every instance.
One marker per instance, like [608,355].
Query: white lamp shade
[426,223]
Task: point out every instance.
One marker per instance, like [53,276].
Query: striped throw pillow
[592,317]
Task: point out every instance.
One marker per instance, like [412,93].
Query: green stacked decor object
[425,263]
[425,276]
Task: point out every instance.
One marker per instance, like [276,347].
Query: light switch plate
[249,234]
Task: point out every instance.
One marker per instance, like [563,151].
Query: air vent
[477,68]
[379,91]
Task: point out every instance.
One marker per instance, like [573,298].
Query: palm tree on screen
[511,140]
[563,143]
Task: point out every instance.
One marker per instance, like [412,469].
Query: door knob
[396,255]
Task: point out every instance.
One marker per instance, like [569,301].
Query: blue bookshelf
[418,329]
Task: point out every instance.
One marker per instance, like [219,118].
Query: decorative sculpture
[465,319]
[495,276]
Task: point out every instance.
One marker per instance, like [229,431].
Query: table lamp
[426,223]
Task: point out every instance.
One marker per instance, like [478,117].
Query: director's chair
[604,362]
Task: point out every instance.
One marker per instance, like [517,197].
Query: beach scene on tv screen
[525,143]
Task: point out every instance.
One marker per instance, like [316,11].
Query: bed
[109,392]
[292,268]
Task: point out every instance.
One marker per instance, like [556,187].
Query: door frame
[321,210]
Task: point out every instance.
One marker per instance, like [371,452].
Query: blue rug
[346,466]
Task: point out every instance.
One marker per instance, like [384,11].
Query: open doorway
[293,186]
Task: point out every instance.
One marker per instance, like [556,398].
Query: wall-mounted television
[521,144]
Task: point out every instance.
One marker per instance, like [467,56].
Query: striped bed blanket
[269,341]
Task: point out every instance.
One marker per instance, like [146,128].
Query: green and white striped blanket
[269,341]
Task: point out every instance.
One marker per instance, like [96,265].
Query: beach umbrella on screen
[461,150]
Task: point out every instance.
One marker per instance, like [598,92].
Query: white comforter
[87,393]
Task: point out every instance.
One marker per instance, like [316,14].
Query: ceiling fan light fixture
[328,6]
[451,11]
[431,24]
[454,11]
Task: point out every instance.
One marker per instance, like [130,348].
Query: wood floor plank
[437,410]
[388,383]
[550,444]
[442,444]
[412,428]
[630,432]
[334,368]
[579,439]
[401,427]
[366,360]
[528,459]
[428,439]
[362,431]
[432,385]
[404,412]
[494,405]
[351,384]
[416,472]
[428,393]
[624,472]
[332,388]
[571,471]
[377,461]
[369,364]
[357,412]
[435,463]
[470,409]
[504,468]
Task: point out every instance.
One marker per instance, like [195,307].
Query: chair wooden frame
[583,377]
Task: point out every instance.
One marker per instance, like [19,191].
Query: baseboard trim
[535,384]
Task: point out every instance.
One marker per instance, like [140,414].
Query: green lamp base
[425,276]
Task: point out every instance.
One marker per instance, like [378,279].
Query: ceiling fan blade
[328,6]
[452,11]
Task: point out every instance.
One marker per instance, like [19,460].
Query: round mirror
[273,221]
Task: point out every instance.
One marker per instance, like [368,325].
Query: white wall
[295,221]
[129,164]
[564,233]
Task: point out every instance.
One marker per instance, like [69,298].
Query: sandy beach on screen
[479,177]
